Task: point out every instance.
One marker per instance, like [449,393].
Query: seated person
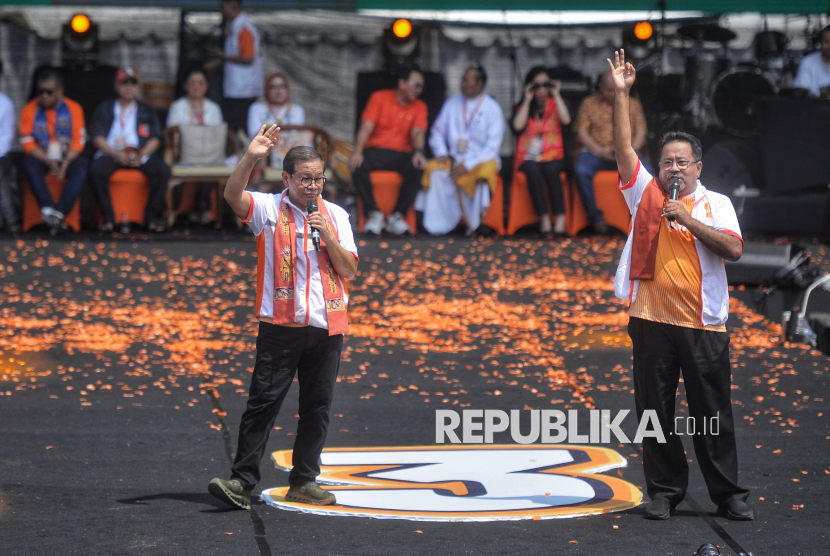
[196,109]
[539,147]
[127,134]
[277,108]
[465,138]
[594,131]
[391,137]
[814,71]
[52,132]
[8,189]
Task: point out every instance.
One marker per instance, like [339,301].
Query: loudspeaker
[761,263]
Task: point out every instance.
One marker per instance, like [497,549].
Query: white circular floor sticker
[466,483]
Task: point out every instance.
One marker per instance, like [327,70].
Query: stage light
[402,28]
[80,23]
[643,30]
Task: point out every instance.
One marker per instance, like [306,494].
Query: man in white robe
[465,139]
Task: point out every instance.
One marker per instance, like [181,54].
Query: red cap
[125,73]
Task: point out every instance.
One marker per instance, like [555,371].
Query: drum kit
[722,95]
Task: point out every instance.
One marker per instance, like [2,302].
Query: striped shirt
[310,303]
[689,288]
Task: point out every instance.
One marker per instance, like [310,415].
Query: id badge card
[534,149]
[120,143]
[54,151]
[463,142]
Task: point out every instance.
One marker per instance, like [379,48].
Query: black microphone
[315,233]
[674,192]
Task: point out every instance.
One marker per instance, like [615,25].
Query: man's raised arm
[260,147]
[622,75]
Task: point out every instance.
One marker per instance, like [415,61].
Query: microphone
[674,192]
[315,233]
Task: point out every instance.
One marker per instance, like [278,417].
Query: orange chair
[129,191]
[610,201]
[31,210]
[386,186]
[521,212]
[494,218]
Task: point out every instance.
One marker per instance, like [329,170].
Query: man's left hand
[419,160]
[457,172]
[317,220]
[678,211]
[62,169]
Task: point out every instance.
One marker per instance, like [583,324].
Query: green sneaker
[231,493]
[310,493]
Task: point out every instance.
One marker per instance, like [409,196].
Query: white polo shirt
[310,303]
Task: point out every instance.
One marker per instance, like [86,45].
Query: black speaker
[765,264]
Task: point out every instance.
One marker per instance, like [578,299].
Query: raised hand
[264,141]
[622,73]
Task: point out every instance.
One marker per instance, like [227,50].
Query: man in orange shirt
[53,132]
[672,271]
[391,137]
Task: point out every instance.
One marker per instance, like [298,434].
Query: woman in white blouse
[277,107]
[195,109]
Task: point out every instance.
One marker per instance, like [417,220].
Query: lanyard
[280,113]
[123,115]
[197,113]
[468,123]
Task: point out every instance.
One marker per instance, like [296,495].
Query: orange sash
[285,259]
[647,231]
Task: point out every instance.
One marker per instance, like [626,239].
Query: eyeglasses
[537,86]
[681,164]
[47,92]
[277,87]
[418,86]
[306,182]
[129,82]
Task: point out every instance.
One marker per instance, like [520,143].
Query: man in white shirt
[242,59]
[814,71]
[301,305]
[465,139]
[8,190]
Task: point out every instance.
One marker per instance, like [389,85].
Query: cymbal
[706,32]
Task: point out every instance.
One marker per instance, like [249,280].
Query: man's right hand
[355,160]
[622,73]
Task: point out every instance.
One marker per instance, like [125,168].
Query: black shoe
[707,549]
[659,508]
[737,510]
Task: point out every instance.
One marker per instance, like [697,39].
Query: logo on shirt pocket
[144,130]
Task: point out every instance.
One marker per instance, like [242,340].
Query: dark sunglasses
[48,92]
[537,86]
[129,82]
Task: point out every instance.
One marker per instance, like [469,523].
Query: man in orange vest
[304,260]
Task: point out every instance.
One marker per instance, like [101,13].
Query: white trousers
[442,211]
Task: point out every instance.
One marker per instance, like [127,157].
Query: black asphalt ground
[124,366]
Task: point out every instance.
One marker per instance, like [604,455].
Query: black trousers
[661,351]
[156,170]
[235,111]
[550,170]
[282,352]
[387,159]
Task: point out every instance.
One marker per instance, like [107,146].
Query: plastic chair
[386,187]
[494,217]
[129,191]
[31,210]
[610,201]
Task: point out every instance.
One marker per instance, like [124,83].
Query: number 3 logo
[466,483]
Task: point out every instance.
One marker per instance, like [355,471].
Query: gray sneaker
[231,493]
[374,224]
[310,493]
[396,225]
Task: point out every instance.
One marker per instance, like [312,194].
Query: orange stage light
[643,30]
[80,23]
[402,28]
